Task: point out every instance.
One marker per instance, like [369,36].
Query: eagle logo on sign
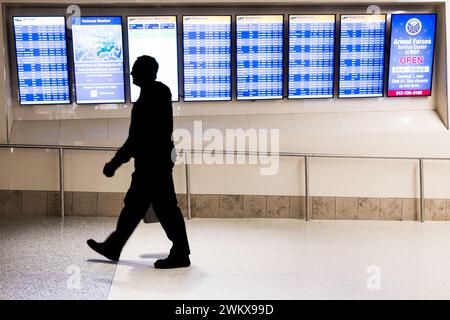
[413,27]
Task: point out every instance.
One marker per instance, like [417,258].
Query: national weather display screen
[41,54]
[259,57]
[412,53]
[155,36]
[362,55]
[207,58]
[311,56]
[98,59]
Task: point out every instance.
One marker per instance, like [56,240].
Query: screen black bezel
[432,56]
[123,65]
[128,51]
[288,52]
[282,57]
[67,62]
[231,56]
[384,57]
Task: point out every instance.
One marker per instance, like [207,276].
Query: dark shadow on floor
[130,263]
[101,261]
[154,255]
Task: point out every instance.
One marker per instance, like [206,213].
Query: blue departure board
[207,58]
[41,56]
[259,45]
[311,56]
[361,70]
[98,59]
[155,36]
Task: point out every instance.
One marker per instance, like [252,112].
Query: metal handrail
[187,152]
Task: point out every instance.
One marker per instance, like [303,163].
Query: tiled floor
[47,258]
[231,259]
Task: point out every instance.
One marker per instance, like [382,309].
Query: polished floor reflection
[42,258]
[291,259]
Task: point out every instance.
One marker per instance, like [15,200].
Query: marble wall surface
[109,204]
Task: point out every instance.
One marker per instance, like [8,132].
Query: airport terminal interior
[311,159]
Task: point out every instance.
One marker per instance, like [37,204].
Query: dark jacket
[149,139]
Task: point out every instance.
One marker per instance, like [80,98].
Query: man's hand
[109,169]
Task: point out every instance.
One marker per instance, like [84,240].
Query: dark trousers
[157,189]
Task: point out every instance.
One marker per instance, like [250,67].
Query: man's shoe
[173,262]
[102,249]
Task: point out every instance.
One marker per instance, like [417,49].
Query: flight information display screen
[207,58]
[411,54]
[41,56]
[155,36]
[362,48]
[311,56]
[259,57]
[98,59]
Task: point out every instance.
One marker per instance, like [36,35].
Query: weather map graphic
[94,44]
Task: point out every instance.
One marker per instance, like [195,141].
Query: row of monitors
[98,55]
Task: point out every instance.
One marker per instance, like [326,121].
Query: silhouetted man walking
[150,144]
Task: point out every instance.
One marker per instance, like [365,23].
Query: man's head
[144,70]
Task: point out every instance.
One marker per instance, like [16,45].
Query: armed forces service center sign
[411,54]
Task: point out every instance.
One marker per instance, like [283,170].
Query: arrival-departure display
[41,56]
[411,54]
[311,56]
[259,45]
[361,70]
[155,36]
[207,58]
[98,59]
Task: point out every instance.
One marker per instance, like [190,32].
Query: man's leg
[169,214]
[136,204]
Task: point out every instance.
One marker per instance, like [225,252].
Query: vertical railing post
[61,180]
[188,184]
[422,191]
[307,203]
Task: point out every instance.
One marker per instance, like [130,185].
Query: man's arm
[123,155]
[125,152]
